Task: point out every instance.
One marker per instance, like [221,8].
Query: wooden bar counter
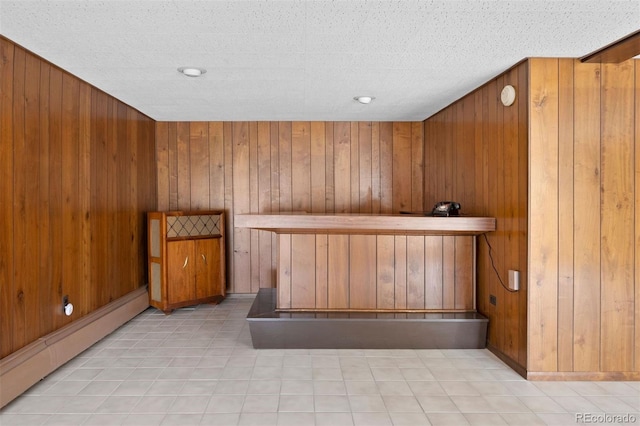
[373,263]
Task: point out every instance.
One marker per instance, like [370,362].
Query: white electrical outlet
[514,280]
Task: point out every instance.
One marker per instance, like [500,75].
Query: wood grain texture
[72,200]
[476,153]
[565,217]
[363,224]
[596,168]
[543,254]
[272,167]
[617,220]
[586,222]
[637,219]
[384,273]
[362,271]
[303,271]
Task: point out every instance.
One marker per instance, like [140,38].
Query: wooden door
[180,267]
[208,276]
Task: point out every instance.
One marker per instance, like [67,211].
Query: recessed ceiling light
[191,71]
[364,99]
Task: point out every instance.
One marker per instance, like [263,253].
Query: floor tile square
[296,403]
[261,404]
[331,404]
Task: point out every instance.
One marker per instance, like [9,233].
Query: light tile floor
[198,367]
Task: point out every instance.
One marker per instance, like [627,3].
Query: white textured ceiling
[304,60]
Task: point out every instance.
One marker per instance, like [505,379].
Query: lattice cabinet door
[186,253]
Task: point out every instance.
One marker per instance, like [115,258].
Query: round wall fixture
[508,95]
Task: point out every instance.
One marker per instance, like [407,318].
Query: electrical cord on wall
[494,266]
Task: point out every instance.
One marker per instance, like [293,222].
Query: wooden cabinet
[186,258]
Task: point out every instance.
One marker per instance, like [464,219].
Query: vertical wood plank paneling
[362,278]
[55,191]
[401,272]
[586,222]
[217,169]
[401,170]
[386,167]
[467,148]
[617,221]
[501,243]
[6,194]
[254,206]
[342,167]
[493,138]
[417,166]
[241,204]
[637,219]
[303,270]
[458,147]
[173,165]
[354,165]
[199,165]
[523,196]
[53,127]
[448,272]
[31,197]
[482,256]
[264,202]
[322,270]
[301,166]
[84,175]
[275,184]
[510,132]
[480,160]
[338,261]
[44,229]
[310,166]
[228,141]
[162,164]
[318,164]
[415,272]
[365,167]
[543,292]
[429,159]
[71,221]
[433,272]
[21,265]
[448,172]
[286,167]
[284,270]
[565,216]
[464,272]
[560,119]
[330,196]
[183,165]
[385,272]
[376,207]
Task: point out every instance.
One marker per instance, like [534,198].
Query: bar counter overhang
[370,281]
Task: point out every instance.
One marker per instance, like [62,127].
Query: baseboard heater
[27,366]
[271,329]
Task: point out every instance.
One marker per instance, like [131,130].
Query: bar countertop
[345,223]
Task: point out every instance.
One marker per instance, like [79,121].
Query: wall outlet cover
[514,280]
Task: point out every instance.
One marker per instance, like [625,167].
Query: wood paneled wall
[584,311]
[76,177]
[376,272]
[476,154]
[262,167]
